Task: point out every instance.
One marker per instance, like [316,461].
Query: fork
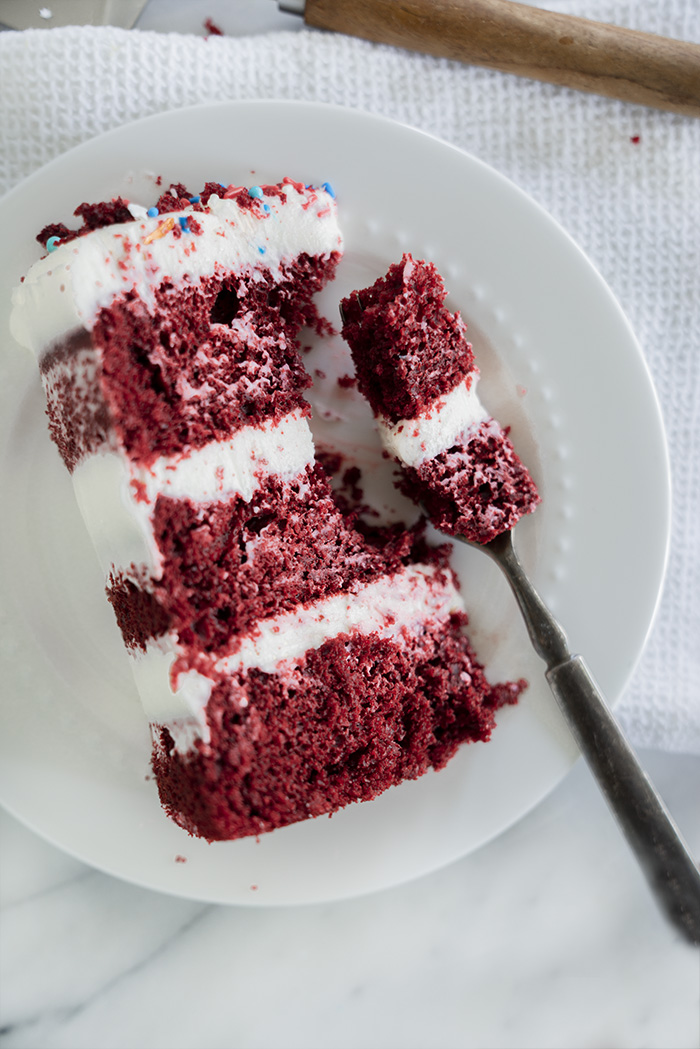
[663,855]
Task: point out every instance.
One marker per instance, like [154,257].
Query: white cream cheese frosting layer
[390,607]
[68,287]
[117,497]
[449,417]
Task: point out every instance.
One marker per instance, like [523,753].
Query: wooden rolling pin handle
[543,45]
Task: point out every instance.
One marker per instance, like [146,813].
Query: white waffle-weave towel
[573,153]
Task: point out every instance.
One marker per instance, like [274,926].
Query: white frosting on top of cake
[117,497]
[68,287]
[391,607]
[439,427]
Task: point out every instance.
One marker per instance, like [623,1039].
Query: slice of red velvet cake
[287,663]
[417,370]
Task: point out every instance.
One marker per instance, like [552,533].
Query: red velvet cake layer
[356,716]
[407,348]
[410,352]
[212,358]
[477,489]
[229,565]
[291,660]
[79,419]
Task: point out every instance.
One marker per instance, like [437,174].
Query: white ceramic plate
[559,364]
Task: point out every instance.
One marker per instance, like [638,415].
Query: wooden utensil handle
[543,45]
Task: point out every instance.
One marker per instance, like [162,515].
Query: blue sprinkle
[329,189]
[195,200]
[266,207]
[223,185]
[262,250]
[52,243]
[183,220]
[255,191]
[152,213]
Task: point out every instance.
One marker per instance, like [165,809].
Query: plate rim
[361,116]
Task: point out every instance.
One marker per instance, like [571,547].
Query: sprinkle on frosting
[161,229]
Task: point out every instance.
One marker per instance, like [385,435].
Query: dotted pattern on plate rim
[502,332]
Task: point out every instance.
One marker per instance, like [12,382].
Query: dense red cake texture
[394,328]
[477,489]
[227,566]
[361,692]
[355,717]
[186,372]
[409,352]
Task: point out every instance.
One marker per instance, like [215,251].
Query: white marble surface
[546,937]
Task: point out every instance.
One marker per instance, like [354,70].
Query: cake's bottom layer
[477,489]
[351,719]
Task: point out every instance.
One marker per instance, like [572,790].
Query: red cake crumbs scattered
[177,197]
[351,483]
[347,382]
[329,459]
[94,216]
[212,28]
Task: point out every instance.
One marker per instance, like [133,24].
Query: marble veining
[546,937]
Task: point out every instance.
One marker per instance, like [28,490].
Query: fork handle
[646,823]
[650,830]
[515,38]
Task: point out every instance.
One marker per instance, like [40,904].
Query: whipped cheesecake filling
[117,497]
[405,603]
[450,417]
[68,287]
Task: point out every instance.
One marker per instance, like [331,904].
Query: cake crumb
[635,139]
[346,382]
[181,859]
[212,28]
